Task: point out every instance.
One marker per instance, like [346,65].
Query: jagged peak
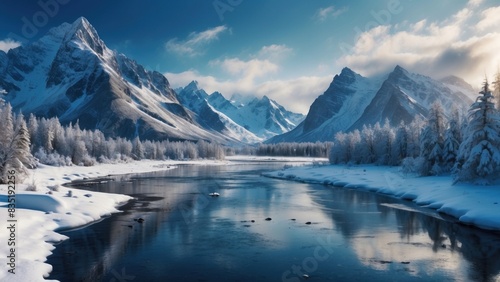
[192,86]
[347,71]
[400,69]
[82,25]
[346,76]
[217,94]
[398,72]
[82,32]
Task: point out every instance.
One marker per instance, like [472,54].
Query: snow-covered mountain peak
[84,35]
[352,101]
[71,74]
[399,73]
[192,86]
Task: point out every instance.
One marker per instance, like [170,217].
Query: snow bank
[37,202]
[470,204]
[52,207]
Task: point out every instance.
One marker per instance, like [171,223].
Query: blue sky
[286,49]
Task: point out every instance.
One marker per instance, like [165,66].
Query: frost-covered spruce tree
[432,140]
[479,153]
[368,144]
[384,137]
[7,132]
[137,149]
[452,140]
[400,147]
[14,145]
[21,144]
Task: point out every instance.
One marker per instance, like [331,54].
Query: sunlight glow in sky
[289,50]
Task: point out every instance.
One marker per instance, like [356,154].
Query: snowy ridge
[71,74]
[255,119]
[196,100]
[352,101]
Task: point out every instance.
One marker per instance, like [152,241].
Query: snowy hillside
[352,101]
[71,74]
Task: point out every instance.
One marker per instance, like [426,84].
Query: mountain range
[71,74]
[352,101]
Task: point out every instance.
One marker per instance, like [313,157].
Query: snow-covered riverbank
[39,215]
[470,204]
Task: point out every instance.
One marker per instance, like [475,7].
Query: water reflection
[188,236]
[409,248]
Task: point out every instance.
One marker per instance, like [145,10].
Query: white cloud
[489,19]
[7,44]
[253,68]
[194,43]
[474,3]
[433,48]
[254,77]
[322,14]
[275,52]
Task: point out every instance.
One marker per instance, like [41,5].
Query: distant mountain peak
[352,101]
[347,71]
[88,82]
[398,73]
[193,85]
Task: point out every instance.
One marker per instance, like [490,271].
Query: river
[263,229]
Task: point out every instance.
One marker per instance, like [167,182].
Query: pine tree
[137,149]
[452,140]
[368,144]
[432,140]
[14,145]
[479,153]
[400,147]
[384,139]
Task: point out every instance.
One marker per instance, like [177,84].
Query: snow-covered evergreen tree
[137,149]
[400,147]
[432,140]
[452,140]
[479,153]
[368,145]
[415,131]
[21,144]
[384,139]
[14,145]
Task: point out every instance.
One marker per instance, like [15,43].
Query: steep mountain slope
[352,101]
[405,95]
[264,117]
[70,73]
[195,99]
[342,103]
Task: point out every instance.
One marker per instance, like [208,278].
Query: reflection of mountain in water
[103,245]
[420,236]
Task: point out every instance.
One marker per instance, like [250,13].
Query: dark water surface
[188,236]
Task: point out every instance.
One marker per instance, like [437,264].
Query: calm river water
[316,233]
